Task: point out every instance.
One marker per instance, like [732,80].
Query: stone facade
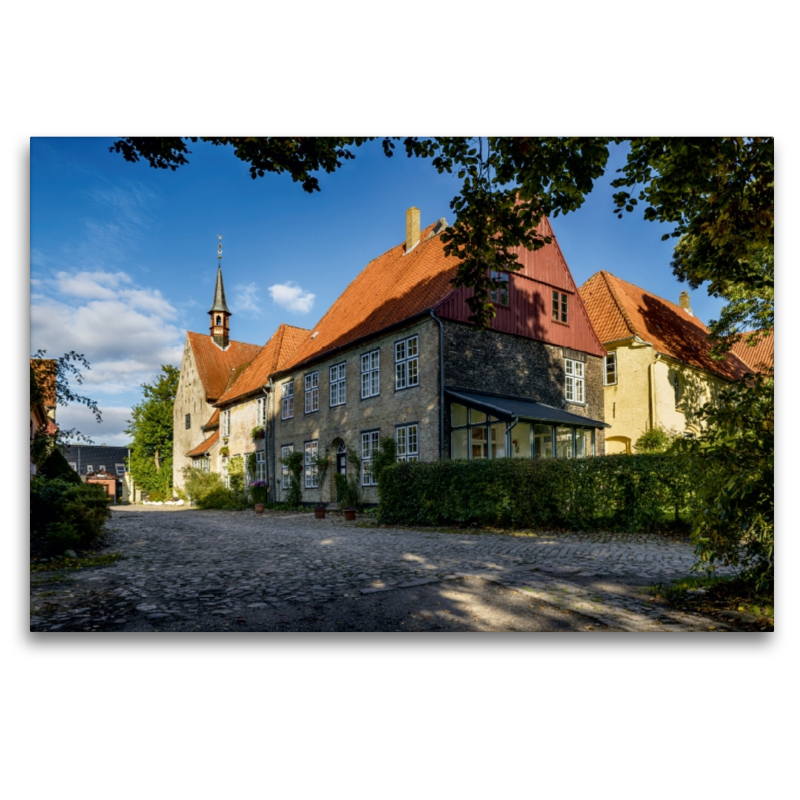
[383,412]
[499,363]
[239,441]
[190,398]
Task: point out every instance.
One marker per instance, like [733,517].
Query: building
[658,371]
[760,355]
[42,403]
[103,464]
[395,356]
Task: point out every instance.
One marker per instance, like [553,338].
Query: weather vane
[219,248]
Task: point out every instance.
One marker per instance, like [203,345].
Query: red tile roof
[391,288]
[213,421]
[215,365]
[280,347]
[205,446]
[760,357]
[619,310]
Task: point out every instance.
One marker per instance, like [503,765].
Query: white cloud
[110,431]
[90,285]
[292,297]
[245,298]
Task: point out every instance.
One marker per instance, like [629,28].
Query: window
[676,385]
[370,441]
[500,296]
[102,468]
[338,384]
[287,400]
[120,468]
[226,423]
[261,411]
[73,465]
[406,363]
[203,464]
[311,397]
[219,320]
[479,436]
[89,469]
[261,466]
[407,439]
[371,374]
[311,473]
[573,381]
[285,450]
[610,373]
[188,421]
[560,313]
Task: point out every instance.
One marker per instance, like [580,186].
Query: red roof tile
[276,351]
[619,310]
[205,446]
[760,357]
[213,421]
[215,365]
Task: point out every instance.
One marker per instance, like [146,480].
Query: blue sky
[123,257]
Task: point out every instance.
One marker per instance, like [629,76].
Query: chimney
[412,228]
[685,305]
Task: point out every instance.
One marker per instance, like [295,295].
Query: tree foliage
[717,192]
[151,429]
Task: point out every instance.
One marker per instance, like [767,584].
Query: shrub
[222,498]
[627,493]
[66,515]
[198,483]
[236,474]
[258,491]
[294,463]
[56,466]
[656,440]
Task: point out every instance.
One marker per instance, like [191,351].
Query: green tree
[151,429]
[716,192]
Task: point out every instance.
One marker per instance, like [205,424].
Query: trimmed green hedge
[623,493]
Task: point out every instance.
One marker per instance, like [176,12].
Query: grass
[81,562]
[713,595]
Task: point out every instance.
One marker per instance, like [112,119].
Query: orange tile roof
[205,446]
[213,421]
[760,357]
[275,352]
[215,365]
[619,310]
[391,288]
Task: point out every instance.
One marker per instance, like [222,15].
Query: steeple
[220,314]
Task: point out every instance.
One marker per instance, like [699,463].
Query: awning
[507,408]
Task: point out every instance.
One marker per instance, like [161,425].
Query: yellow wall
[644,395]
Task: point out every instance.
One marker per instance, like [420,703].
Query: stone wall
[499,363]
[419,404]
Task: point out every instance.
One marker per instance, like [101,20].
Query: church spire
[220,314]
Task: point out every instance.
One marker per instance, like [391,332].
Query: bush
[656,440]
[206,490]
[65,515]
[294,463]
[56,466]
[625,493]
[222,498]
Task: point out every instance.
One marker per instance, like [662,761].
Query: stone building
[396,356]
[658,371]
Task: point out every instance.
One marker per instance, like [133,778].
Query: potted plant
[319,510]
[348,492]
[258,432]
[258,490]
[224,451]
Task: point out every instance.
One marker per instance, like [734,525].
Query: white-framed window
[203,464]
[371,374]
[102,468]
[311,473]
[89,469]
[287,400]
[573,380]
[370,441]
[406,363]
[120,468]
[560,307]
[261,411]
[311,397]
[226,422]
[261,466]
[73,465]
[338,379]
[407,439]
[500,296]
[285,450]
[610,369]
[226,479]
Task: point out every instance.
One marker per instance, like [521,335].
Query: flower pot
[349,514]
[319,513]
[259,508]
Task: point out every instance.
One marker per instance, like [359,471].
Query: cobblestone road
[181,567]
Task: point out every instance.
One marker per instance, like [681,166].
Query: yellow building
[658,371]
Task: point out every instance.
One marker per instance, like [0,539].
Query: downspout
[441,385]
[271,433]
[265,389]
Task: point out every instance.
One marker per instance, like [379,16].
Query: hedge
[622,493]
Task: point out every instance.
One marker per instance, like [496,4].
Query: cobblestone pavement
[216,570]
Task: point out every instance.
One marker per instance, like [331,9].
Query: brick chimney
[412,228]
[685,304]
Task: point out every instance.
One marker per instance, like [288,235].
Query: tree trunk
[158,462]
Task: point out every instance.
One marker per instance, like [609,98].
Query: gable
[214,365]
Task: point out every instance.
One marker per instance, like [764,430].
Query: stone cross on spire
[220,313]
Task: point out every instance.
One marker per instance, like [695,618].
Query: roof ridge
[624,314]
